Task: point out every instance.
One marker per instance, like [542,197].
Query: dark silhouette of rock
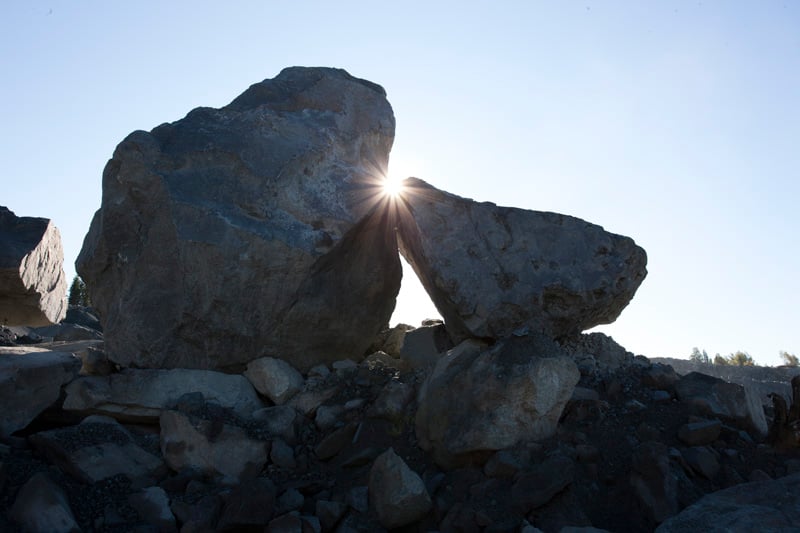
[259,226]
[492,271]
[33,288]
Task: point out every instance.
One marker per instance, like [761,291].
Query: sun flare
[393,186]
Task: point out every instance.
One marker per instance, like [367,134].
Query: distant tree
[740,358]
[78,293]
[699,357]
[789,359]
[719,360]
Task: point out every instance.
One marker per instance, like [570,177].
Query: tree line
[738,358]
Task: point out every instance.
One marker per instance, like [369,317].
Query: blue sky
[675,123]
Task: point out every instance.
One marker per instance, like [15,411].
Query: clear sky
[675,123]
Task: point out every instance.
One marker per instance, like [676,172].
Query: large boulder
[479,400]
[492,271]
[766,506]
[33,288]
[30,381]
[260,225]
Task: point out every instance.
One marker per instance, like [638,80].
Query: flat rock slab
[141,395]
[257,225]
[30,382]
[492,271]
[33,287]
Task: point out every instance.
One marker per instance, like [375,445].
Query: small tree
[789,359]
[740,358]
[78,293]
[719,360]
[699,357]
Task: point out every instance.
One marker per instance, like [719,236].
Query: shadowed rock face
[253,230]
[33,288]
[494,270]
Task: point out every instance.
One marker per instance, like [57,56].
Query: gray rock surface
[152,504]
[97,449]
[712,396]
[396,492]
[30,382]
[764,506]
[274,378]
[43,507]
[213,447]
[33,288]
[494,270]
[260,225]
[141,395]
[484,399]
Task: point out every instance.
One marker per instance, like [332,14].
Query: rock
[660,376]
[141,395]
[492,271]
[261,225]
[282,455]
[96,449]
[702,460]
[390,341]
[312,396]
[502,464]
[391,403]
[327,416]
[397,492]
[479,400]
[83,316]
[42,507]
[33,288]
[249,506]
[358,498]
[287,523]
[422,346]
[700,433]
[712,396]
[274,378]
[218,449]
[334,443]
[764,506]
[329,513]
[279,421]
[30,382]
[538,485]
[200,517]
[152,504]
[604,352]
[653,482]
[290,500]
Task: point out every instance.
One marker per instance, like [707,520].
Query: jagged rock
[700,433]
[33,289]
[30,382]
[274,378]
[764,506]
[653,482]
[714,397]
[96,449]
[601,352]
[83,316]
[702,460]
[141,395]
[282,455]
[484,399]
[199,517]
[152,504]
[218,449]
[422,346]
[493,270]
[397,492]
[335,442]
[391,403]
[261,225]
[42,507]
[329,513]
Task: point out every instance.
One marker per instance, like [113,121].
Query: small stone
[329,513]
[344,366]
[328,416]
[397,492]
[279,421]
[287,523]
[274,378]
[702,460]
[355,403]
[152,504]
[661,396]
[358,498]
[319,371]
[335,442]
[290,500]
[503,464]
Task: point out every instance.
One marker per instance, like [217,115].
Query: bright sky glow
[673,122]
[393,185]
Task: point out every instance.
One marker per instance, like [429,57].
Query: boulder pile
[244,265]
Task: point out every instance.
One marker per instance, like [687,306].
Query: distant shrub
[719,360]
[699,357]
[740,358]
[789,359]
